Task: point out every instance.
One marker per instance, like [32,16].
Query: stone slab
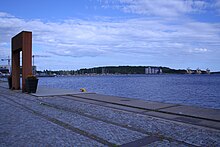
[184,119]
[125,108]
[85,100]
[147,105]
[143,141]
[100,97]
[45,91]
[212,114]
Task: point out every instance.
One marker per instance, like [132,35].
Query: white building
[153,70]
[189,71]
[208,71]
[198,71]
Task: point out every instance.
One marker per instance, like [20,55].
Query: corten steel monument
[21,42]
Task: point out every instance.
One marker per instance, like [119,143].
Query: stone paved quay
[89,119]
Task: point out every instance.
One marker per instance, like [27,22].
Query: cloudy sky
[74,34]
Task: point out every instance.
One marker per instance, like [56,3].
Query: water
[195,90]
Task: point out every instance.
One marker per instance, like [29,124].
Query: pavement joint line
[142,142]
[175,105]
[148,109]
[63,124]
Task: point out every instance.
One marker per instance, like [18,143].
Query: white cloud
[199,50]
[103,37]
[157,7]
[3,14]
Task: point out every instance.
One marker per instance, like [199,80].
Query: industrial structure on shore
[198,71]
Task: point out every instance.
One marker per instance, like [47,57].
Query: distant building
[148,70]
[34,70]
[103,70]
[198,71]
[189,71]
[153,70]
[208,71]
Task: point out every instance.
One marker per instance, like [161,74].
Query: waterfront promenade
[53,117]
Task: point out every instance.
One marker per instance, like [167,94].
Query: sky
[74,34]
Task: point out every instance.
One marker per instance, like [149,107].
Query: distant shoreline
[100,75]
[119,70]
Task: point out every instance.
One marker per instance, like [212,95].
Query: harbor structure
[6,66]
[198,71]
[189,71]
[208,71]
[5,69]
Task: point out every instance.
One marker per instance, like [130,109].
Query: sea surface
[194,90]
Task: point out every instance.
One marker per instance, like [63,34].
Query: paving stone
[114,134]
[177,131]
[21,128]
[110,124]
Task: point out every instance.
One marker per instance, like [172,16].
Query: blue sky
[74,34]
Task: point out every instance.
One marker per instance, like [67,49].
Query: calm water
[197,90]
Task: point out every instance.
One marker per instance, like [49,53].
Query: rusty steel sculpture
[21,42]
